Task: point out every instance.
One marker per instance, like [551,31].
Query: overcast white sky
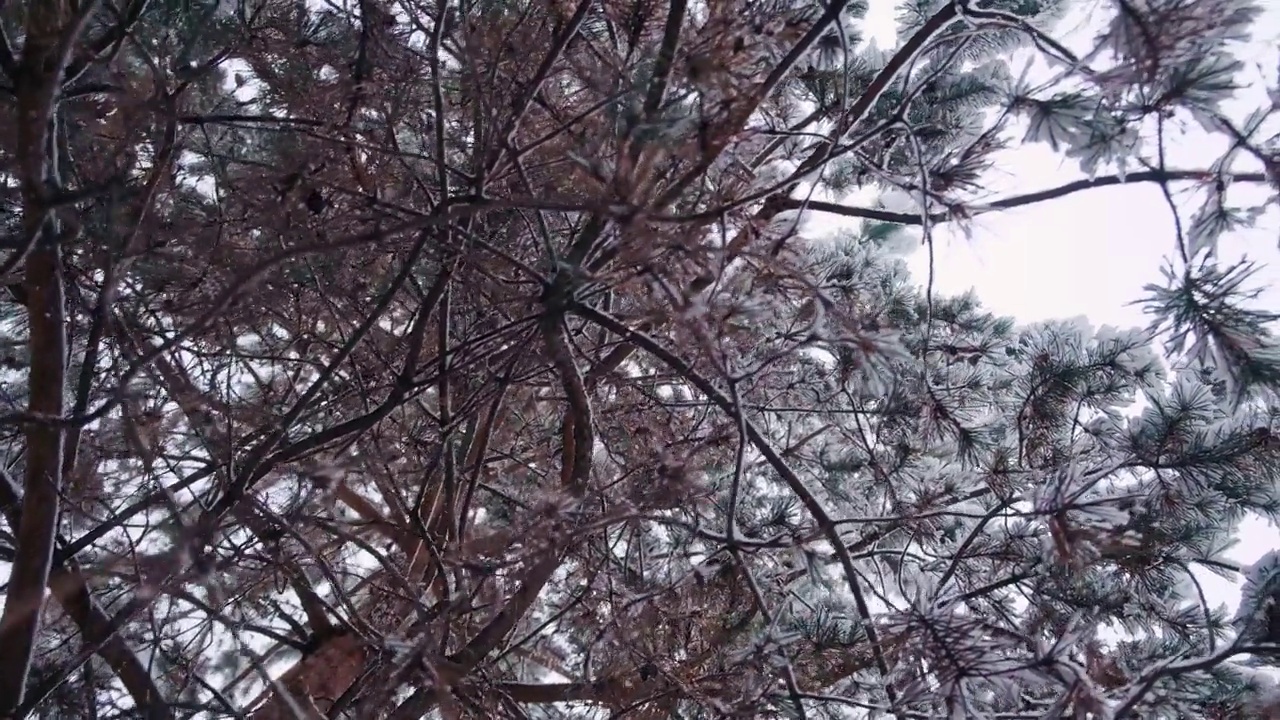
[1091,253]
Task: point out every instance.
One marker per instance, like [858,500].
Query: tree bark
[38,76]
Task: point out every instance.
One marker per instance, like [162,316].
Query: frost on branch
[1202,310]
[1258,617]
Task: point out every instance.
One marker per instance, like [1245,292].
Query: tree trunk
[38,77]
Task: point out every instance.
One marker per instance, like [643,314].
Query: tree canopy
[488,359]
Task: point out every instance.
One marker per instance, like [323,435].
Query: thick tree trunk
[316,682]
[323,676]
[38,76]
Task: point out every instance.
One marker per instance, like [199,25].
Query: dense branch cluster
[484,359]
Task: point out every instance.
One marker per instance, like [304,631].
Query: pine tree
[480,358]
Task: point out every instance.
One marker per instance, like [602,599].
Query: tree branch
[8,63]
[93,622]
[1009,203]
[51,27]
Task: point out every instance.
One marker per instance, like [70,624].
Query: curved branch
[771,456]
